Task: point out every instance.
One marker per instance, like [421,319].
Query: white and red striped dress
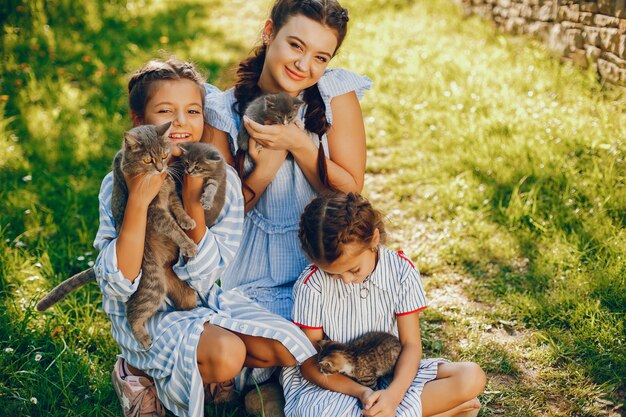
[321,302]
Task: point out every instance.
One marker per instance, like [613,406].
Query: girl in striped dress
[356,286]
[193,349]
[292,165]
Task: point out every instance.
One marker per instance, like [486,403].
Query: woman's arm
[267,163]
[336,382]
[386,401]
[346,142]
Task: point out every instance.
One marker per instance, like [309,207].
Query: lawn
[500,170]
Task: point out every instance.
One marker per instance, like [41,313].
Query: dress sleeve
[307,300]
[110,279]
[411,297]
[337,82]
[219,113]
[220,242]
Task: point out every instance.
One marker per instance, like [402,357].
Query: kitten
[280,108]
[204,160]
[365,359]
[146,150]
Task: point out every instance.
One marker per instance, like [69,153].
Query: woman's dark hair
[142,82]
[331,221]
[326,12]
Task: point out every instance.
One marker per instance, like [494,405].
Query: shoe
[266,400]
[220,392]
[137,394]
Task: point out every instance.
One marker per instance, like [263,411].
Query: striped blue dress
[346,311]
[171,360]
[270,259]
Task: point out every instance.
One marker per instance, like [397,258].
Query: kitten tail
[63,289]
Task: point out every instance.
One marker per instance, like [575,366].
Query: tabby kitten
[204,160]
[146,150]
[365,359]
[280,108]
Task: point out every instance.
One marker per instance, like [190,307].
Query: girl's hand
[266,160]
[192,190]
[365,394]
[380,404]
[283,137]
[143,188]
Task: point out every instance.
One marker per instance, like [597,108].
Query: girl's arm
[192,191]
[336,382]
[384,403]
[217,247]
[132,235]
[219,139]
[118,266]
[346,141]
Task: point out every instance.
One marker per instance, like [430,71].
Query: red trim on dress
[314,269]
[410,312]
[307,327]
[403,256]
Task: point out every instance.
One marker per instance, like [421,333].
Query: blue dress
[346,311]
[270,259]
[171,360]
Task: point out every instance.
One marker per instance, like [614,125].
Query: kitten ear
[131,139]
[162,129]
[269,100]
[183,148]
[297,102]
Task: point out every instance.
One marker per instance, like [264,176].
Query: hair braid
[332,221]
[326,12]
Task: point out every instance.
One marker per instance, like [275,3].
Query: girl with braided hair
[290,165]
[355,286]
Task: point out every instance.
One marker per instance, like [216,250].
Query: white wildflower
[37,357]
[90,263]
[33,400]
[81,258]
[27,178]
[8,350]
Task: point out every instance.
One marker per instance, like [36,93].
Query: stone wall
[587,33]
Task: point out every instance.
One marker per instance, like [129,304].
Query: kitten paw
[207,202]
[187,224]
[189,250]
[144,340]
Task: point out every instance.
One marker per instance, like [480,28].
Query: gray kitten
[204,160]
[280,108]
[146,150]
[365,359]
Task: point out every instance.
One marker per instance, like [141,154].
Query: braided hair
[330,222]
[142,83]
[326,12]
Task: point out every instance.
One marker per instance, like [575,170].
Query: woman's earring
[266,39]
[374,249]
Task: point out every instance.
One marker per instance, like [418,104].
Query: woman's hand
[380,404]
[267,161]
[143,188]
[276,137]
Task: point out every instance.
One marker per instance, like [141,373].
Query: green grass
[501,172]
